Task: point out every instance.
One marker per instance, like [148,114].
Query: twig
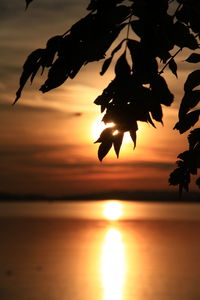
[172,57]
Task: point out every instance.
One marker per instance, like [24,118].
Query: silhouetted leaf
[180,176]
[192,81]
[53,45]
[117,141]
[193,58]
[122,67]
[133,136]
[104,148]
[156,112]
[102,4]
[198,182]
[30,68]
[27,3]
[183,37]
[190,161]
[161,91]
[187,121]
[189,101]
[57,75]
[108,61]
[145,66]
[106,135]
[182,15]
[138,27]
[106,65]
[194,138]
[149,120]
[173,66]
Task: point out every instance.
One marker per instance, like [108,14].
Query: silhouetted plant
[138,91]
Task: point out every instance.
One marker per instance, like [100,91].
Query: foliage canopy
[161,29]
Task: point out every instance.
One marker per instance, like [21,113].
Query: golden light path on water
[113,265]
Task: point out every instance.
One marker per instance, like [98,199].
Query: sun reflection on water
[113,266]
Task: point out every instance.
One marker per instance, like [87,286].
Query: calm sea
[71,251]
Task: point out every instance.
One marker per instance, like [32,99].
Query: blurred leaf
[27,3]
[192,80]
[193,58]
[117,141]
[198,182]
[173,66]
[104,148]
[189,101]
[190,160]
[194,138]
[180,176]
[102,4]
[187,121]
[133,137]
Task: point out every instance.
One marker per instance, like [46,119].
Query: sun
[112,210]
[98,126]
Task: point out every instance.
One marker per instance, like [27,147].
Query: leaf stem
[171,58]
[128,30]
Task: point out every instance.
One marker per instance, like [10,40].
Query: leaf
[156,112]
[106,135]
[116,49]
[180,176]
[104,148]
[144,64]
[190,161]
[122,68]
[193,58]
[117,141]
[133,137]
[194,138]
[27,3]
[173,67]
[57,75]
[187,121]
[119,14]
[30,68]
[198,182]
[106,65]
[52,46]
[161,91]
[189,101]
[138,27]
[192,80]
[182,36]
[151,122]
[108,61]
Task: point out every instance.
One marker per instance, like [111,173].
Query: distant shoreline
[149,196]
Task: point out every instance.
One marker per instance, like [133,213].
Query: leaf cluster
[138,91]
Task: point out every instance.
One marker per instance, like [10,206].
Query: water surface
[52,257]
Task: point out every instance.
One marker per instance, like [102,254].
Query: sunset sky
[47,141]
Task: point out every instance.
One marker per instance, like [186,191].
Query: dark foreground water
[154,256]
